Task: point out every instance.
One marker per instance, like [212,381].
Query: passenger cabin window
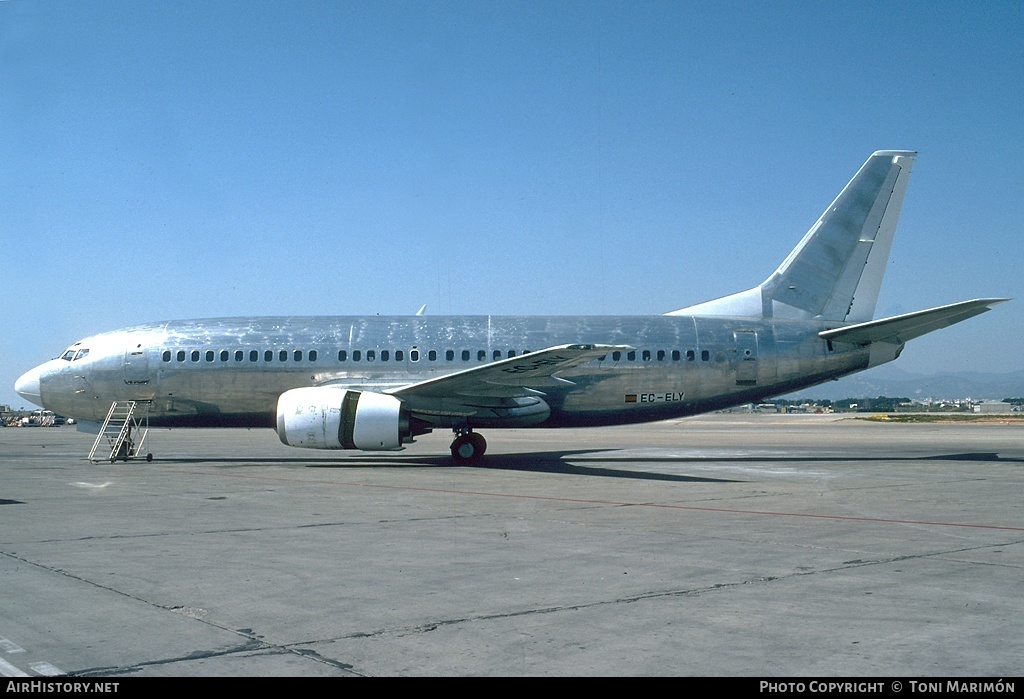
[449,355]
[496,355]
[195,356]
[705,355]
[675,355]
[209,355]
[342,355]
[399,355]
[312,355]
[385,355]
[432,355]
[224,354]
[239,355]
[297,355]
[414,355]
[481,355]
[282,356]
[166,356]
[254,355]
[357,355]
[268,355]
[465,355]
[371,355]
[691,355]
[180,356]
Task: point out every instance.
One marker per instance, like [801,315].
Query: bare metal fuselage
[231,371]
[375,383]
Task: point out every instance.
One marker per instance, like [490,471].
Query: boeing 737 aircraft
[375,383]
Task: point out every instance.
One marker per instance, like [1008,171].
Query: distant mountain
[893,382]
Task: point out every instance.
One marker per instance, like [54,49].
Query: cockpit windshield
[74,352]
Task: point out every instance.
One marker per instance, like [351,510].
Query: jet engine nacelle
[337,418]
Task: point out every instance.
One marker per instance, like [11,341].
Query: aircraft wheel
[479,443]
[149,457]
[468,448]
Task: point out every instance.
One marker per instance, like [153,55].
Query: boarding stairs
[123,431]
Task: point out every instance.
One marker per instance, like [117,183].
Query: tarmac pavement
[725,545]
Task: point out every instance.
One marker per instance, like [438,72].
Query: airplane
[377,382]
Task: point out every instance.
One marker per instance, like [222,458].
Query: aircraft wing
[508,378]
[903,328]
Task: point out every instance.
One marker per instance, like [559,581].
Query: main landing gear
[468,446]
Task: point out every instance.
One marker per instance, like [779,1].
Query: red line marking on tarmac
[580,501]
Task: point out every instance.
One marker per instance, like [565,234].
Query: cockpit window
[74,352]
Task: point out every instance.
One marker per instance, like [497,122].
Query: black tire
[479,442]
[468,448]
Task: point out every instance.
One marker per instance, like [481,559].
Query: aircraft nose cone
[27,386]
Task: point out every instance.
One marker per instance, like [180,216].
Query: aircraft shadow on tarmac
[576,462]
[536,462]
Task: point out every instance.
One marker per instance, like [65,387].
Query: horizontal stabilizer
[903,328]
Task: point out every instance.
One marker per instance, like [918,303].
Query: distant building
[991,407]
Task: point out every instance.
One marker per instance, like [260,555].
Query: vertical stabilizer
[836,271]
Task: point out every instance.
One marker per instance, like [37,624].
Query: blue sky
[188,159]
